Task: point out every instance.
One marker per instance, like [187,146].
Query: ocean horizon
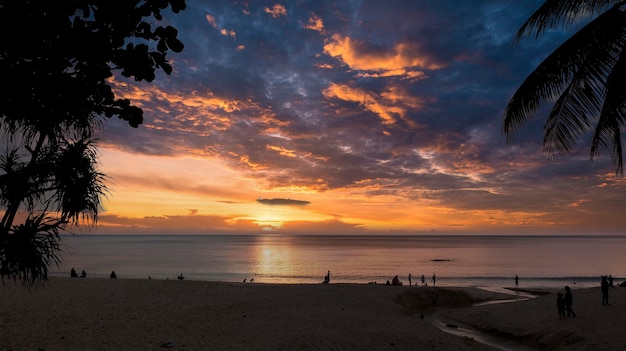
[489,261]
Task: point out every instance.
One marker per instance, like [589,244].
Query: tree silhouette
[56,59]
[584,78]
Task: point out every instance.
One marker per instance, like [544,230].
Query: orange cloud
[211,20]
[282,151]
[405,74]
[276,10]
[404,58]
[391,104]
[315,23]
[228,33]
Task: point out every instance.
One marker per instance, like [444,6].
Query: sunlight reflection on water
[467,261]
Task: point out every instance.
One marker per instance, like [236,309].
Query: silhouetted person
[113,275]
[73,273]
[516,280]
[326,278]
[610,278]
[410,279]
[604,286]
[560,305]
[395,281]
[434,279]
[83,274]
[423,280]
[569,301]
[181,277]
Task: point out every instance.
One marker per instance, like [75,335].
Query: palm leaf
[78,184]
[608,133]
[29,249]
[553,76]
[583,98]
[561,13]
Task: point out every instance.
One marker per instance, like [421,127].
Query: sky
[347,117]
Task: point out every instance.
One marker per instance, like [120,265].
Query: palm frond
[583,98]
[612,121]
[29,249]
[555,74]
[561,13]
[79,186]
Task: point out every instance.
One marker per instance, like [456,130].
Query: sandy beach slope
[536,322]
[127,314]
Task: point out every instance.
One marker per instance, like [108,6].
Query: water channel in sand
[459,329]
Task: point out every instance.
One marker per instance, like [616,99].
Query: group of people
[83,274]
[73,273]
[564,304]
[396,280]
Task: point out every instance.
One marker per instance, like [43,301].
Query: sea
[474,261]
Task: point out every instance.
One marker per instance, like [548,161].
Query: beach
[151,314]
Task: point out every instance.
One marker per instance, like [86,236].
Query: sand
[129,314]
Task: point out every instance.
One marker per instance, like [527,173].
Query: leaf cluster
[57,57]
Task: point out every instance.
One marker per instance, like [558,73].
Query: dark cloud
[283,202]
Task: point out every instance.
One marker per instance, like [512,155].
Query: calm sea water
[480,261]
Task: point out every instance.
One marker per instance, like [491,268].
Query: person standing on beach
[423,280]
[326,278]
[434,279]
[604,286]
[569,301]
[516,280]
[409,279]
[560,305]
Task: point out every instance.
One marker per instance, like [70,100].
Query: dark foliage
[57,59]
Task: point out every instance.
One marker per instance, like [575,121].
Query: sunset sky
[347,117]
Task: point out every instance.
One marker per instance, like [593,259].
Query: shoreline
[142,314]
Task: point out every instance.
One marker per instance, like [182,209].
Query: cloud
[276,11]
[315,23]
[390,105]
[357,100]
[283,202]
[401,58]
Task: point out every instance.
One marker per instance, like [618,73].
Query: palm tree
[54,185]
[584,77]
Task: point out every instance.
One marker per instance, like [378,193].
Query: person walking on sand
[560,305]
[604,286]
[434,279]
[423,280]
[569,301]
